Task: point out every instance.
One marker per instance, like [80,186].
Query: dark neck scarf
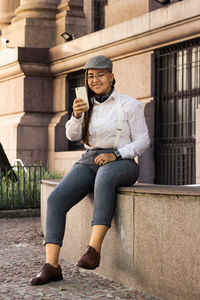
[102,98]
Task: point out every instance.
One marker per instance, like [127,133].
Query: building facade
[155,49]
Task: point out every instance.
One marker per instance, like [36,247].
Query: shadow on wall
[61,142]
[146,160]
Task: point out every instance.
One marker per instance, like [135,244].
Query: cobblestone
[21,257]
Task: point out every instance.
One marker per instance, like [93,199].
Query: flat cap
[99,62]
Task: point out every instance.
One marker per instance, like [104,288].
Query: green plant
[52,174]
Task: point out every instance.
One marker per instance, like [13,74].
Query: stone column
[7,11]
[71,19]
[36,9]
[89,14]
[76,21]
[61,16]
[34,24]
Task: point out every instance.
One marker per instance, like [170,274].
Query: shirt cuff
[124,153]
[74,119]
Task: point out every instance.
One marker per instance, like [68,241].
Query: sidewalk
[21,257]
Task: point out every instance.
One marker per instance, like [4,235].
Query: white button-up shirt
[134,138]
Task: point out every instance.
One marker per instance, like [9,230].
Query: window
[177,97]
[74,80]
[99,14]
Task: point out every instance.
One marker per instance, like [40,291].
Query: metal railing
[20,187]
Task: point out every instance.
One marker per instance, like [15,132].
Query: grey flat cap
[99,62]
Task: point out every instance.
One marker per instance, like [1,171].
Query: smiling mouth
[97,86]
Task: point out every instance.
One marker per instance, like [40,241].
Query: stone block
[59,94]
[30,32]
[37,94]
[166,246]
[118,248]
[153,244]
[32,138]
[40,33]
[7,11]
[11,96]
[133,75]
[15,33]
[124,10]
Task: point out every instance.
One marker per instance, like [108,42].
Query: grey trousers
[83,178]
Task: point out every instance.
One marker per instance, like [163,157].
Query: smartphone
[82,93]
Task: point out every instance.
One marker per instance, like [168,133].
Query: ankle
[98,249]
[55,265]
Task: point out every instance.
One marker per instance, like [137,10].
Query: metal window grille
[74,79]
[177,97]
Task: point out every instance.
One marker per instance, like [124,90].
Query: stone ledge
[20,213]
[147,188]
[153,240]
[162,189]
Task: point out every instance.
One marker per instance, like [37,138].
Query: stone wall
[118,11]
[153,244]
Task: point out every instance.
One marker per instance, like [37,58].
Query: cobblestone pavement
[21,257]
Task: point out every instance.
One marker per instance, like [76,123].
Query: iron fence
[20,187]
[177,98]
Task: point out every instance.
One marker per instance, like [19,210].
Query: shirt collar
[111,97]
[103,98]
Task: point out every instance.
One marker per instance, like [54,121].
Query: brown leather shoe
[47,274]
[90,260]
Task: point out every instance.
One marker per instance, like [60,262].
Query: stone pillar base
[30,32]
[24,136]
[33,26]
[32,138]
[4,21]
[36,10]
[7,11]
